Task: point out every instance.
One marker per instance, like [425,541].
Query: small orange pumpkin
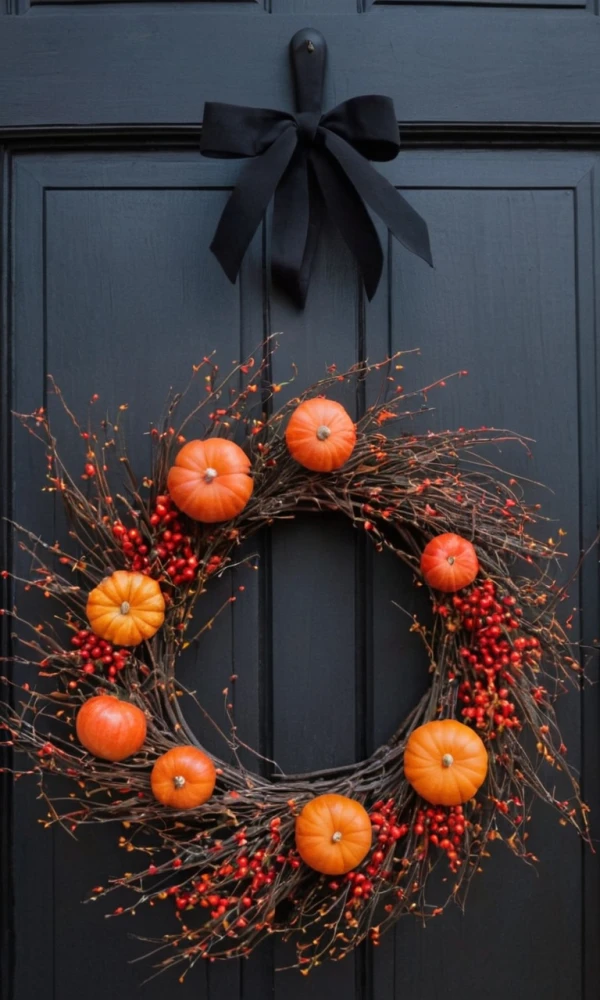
[449,563]
[110,728]
[183,778]
[209,481]
[126,608]
[445,762]
[320,435]
[333,834]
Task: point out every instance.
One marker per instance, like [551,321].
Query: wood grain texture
[34,851]
[6,594]
[438,65]
[315,6]
[587,222]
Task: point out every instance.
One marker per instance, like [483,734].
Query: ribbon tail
[249,201]
[315,219]
[401,218]
[296,227]
[351,218]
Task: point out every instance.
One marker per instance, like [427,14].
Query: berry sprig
[234,890]
[443,827]
[172,546]
[493,659]
[99,655]
[134,548]
[386,827]
[169,555]
[481,611]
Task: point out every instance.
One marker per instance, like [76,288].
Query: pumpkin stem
[450,560]
[178,781]
[447,760]
[125,608]
[336,837]
[323,432]
[210,474]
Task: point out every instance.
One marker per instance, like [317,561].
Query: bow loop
[367,123]
[231,130]
[311,163]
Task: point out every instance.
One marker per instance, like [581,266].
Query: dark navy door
[106,215]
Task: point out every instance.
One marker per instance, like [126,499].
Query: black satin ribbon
[310,163]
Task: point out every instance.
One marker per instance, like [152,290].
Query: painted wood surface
[108,284]
[438,64]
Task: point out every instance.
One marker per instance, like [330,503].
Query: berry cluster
[384,818]
[171,554]
[250,873]
[173,548]
[480,611]
[494,657]
[488,706]
[387,831]
[97,654]
[133,546]
[444,827]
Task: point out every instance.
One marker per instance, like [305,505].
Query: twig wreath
[330,858]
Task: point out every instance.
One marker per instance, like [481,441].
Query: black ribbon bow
[311,163]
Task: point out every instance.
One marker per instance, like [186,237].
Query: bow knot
[308,123]
[310,163]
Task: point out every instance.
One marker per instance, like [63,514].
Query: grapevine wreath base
[324,859]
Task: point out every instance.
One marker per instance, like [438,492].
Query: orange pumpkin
[126,608]
[449,562]
[109,728]
[333,834]
[445,762]
[183,778]
[209,481]
[320,435]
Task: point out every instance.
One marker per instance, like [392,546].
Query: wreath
[326,859]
